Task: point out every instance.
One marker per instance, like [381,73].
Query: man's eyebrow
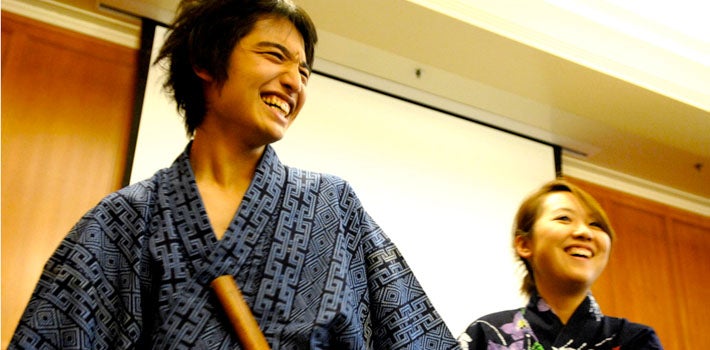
[289,55]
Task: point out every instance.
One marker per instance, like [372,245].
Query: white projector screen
[443,188]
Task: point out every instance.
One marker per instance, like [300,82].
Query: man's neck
[223,172]
[224,164]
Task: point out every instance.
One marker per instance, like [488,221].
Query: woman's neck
[563,302]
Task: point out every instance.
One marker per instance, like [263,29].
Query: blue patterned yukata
[313,266]
[536,327]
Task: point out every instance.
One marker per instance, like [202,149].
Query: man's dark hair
[203,36]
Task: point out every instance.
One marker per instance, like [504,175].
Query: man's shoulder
[305,177]
[137,193]
[137,198]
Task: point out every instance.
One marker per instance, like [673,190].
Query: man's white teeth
[579,251]
[278,103]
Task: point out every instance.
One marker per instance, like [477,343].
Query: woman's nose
[583,231]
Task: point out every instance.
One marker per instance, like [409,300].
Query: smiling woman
[563,238]
[558,221]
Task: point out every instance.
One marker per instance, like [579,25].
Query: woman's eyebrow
[287,53]
[562,210]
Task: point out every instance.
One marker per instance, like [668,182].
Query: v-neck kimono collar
[584,322]
[588,309]
[248,225]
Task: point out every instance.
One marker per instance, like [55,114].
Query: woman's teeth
[578,251]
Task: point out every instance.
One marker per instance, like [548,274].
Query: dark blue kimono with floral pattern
[314,267]
[536,327]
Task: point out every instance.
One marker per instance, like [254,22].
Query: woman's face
[567,247]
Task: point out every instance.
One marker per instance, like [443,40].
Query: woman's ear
[523,246]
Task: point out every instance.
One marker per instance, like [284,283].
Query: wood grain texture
[67,102]
[656,274]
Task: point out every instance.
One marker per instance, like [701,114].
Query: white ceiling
[658,45]
[643,121]
[627,86]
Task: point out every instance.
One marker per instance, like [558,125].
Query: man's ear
[203,74]
[523,246]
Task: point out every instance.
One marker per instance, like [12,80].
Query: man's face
[265,86]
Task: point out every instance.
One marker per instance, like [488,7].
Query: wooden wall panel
[656,274]
[603,288]
[642,271]
[689,242]
[67,102]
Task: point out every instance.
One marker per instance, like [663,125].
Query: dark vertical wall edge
[558,160]
[146,42]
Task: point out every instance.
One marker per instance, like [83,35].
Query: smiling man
[315,269]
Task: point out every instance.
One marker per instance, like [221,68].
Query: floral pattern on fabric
[536,327]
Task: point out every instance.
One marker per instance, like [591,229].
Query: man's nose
[291,78]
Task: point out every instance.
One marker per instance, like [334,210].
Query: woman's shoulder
[492,320]
[503,315]
[636,335]
[485,328]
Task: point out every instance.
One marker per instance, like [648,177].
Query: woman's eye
[597,225]
[562,218]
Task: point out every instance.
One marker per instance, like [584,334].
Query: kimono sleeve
[89,293]
[474,338]
[403,317]
[638,336]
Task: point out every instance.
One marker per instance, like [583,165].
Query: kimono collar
[270,174]
[261,200]
[269,160]
[589,308]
